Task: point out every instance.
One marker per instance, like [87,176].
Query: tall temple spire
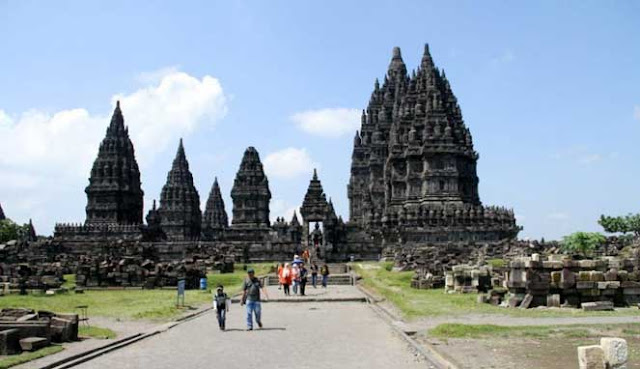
[180,216]
[31,232]
[397,68]
[294,220]
[250,193]
[314,205]
[117,121]
[2,216]
[114,193]
[215,216]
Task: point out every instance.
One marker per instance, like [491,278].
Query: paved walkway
[305,335]
[329,294]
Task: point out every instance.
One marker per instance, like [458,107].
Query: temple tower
[250,193]
[2,216]
[413,168]
[215,218]
[179,211]
[366,189]
[114,194]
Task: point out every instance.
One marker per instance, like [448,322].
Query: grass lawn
[414,303]
[455,330]
[9,361]
[96,332]
[132,304]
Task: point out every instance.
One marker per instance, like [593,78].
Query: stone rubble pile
[559,281]
[468,279]
[28,330]
[43,276]
[139,272]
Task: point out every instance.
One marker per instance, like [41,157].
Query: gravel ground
[306,335]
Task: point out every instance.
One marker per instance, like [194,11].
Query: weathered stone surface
[591,357]
[616,352]
[597,306]
[33,343]
[528,298]
[9,342]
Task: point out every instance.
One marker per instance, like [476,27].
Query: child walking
[221,302]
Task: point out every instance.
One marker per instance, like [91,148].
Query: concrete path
[330,294]
[302,335]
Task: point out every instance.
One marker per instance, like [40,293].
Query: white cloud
[590,158]
[330,122]
[179,104]
[282,208]
[506,57]
[289,163]
[558,216]
[636,112]
[44,155]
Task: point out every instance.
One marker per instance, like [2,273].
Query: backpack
[221,301]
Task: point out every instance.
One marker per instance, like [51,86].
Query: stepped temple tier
[413,191]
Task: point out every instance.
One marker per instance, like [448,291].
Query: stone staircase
[344,279]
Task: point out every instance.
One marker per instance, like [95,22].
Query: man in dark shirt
[251,297]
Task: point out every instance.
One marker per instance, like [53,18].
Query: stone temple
[413,186]
[413,170]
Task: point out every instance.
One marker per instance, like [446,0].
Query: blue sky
[550,91]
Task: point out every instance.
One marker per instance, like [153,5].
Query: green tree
[9,230]
[621,224]
[582,242]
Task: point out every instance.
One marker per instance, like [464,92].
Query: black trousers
[286,289]
[303,285]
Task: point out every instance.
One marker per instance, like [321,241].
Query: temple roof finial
[397,54]
[315,174]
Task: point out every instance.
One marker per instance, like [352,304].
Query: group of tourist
[291,276]
[295,275]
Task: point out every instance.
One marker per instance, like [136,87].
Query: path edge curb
[96,352]
[424,349]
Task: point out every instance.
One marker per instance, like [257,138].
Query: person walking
[280,270]
[221,302]
[314,274]
[295,277]
[286,279]
[324,271]
[303,279]
[251,298]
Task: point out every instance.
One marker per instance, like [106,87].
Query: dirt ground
[522,353]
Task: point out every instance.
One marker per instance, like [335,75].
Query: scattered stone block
[33,343]
[597,306]
[616,352]
[27,317]
[553,300]
[528,298]
[591,357]
[9,342]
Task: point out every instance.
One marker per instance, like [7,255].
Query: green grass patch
[69,280]
[413,303]
[24,357]
[132,304]
[96,332]
[456,330]
[497,263]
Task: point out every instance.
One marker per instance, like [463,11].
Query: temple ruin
[413,187]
